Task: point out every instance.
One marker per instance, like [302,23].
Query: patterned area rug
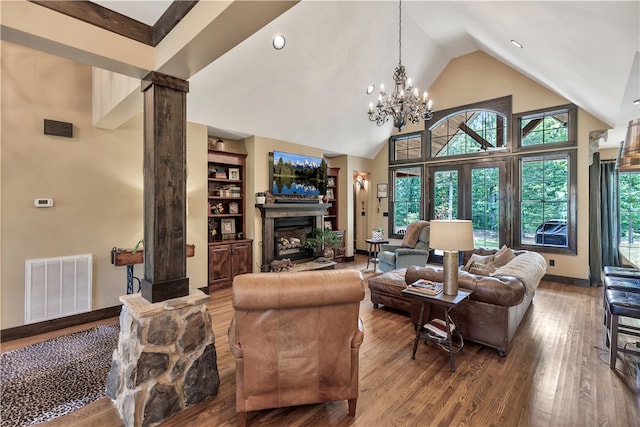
[52,378]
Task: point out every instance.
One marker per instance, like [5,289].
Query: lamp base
[450,273]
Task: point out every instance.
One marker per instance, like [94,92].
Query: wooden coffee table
[313,265]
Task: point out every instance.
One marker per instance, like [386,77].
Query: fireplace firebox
[290,235]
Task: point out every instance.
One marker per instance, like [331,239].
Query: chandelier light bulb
[381,87]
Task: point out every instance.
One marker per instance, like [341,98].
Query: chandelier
[405,102]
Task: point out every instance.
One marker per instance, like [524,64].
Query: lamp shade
[631,146]
[626,163]
[451,235]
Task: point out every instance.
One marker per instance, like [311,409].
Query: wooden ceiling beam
[115,22]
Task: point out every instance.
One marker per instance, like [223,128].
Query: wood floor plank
[556,374]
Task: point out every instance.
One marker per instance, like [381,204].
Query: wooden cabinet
[331,215]
[230,253]
[227,260]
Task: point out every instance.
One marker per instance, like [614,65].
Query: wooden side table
[374,248]
[447,302]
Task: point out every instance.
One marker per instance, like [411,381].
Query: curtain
[604,214]
[595,234]
[610,214]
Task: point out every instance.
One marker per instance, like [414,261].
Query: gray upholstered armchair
[414,249]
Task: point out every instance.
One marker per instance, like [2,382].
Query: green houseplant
[324,240]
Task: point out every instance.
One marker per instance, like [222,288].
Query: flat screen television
[298,175]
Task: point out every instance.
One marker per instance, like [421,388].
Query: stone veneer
[166,358]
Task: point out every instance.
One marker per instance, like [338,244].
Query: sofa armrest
[390,247]
[504,291]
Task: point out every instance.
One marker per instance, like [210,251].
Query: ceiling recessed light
[279,41]
[370,89]
[636,102]
[517,44]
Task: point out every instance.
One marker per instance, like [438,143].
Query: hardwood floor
[556,374]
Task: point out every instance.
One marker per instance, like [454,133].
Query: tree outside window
[407,198]
[629,193]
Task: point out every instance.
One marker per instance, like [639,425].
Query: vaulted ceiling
[312,92]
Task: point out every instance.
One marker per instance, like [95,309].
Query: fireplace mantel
[293,208]
[271,211]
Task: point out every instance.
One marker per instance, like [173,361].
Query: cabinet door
[242,254]
[219,263]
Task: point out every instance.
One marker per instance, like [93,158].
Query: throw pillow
[503,256]
[480,259]
[482,269]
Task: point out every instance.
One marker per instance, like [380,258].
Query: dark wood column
[165,190]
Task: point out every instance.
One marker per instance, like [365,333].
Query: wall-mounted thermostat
[43,203]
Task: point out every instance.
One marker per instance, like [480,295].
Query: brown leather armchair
[295,338]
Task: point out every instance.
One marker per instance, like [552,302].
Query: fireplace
[285,227]
[290,235]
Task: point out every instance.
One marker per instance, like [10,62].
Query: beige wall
[95,179]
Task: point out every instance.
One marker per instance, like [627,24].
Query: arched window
[470,130]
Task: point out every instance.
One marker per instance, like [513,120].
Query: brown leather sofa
[295,337]
[493,312]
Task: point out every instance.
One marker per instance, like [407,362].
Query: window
[486,206]
[468,132]
[445,194]
[546,209]
[403,148]
[473,129]
[406,202]
[629,188]
[547,127]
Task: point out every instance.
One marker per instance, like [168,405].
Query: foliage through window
[407,198]
[445,194]
[485,206]
[546,127]
[629,189]
[471,129]
[466,132]
[544,204]
[471,191]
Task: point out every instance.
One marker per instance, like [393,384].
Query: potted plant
[324,240]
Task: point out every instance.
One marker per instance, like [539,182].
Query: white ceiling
[313,91]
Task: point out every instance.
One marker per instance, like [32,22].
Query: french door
[474,191]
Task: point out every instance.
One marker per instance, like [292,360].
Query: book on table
[426,287]
[439,327]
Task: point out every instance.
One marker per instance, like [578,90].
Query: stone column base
[166,358]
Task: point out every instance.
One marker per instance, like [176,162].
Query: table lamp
[451,236]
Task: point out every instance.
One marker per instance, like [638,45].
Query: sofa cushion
[391,282]
[503,256]
[480,262]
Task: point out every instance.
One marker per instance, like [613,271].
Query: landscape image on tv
[295,174]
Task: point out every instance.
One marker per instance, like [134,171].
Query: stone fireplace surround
[273,216]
